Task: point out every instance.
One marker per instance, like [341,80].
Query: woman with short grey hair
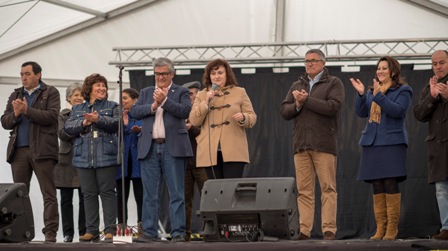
[65,175]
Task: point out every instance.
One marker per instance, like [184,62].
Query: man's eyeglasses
[312,61]
[162,74]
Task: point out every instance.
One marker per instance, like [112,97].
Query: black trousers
[67,212]
[225,170]
[138,195]
[193,176]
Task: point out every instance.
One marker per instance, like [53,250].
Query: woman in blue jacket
[131,128]
[384,142]
[95,124]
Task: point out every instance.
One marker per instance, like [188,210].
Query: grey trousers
[99,182]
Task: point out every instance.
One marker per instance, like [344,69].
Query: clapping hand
[376,86]
[159,96]
[136,129]
[90,118]
[358,85]
[443,89]
[300,97]
[20,106]
[125,117]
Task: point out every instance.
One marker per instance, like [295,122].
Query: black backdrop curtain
[270,147]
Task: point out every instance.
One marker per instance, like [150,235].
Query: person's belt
[159,141]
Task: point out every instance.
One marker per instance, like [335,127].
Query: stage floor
[283,245]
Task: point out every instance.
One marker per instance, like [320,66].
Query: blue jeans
[159,162]
[442,201]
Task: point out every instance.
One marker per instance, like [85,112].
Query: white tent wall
[201,22]
[322,20]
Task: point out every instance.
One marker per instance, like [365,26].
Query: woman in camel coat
[223,111]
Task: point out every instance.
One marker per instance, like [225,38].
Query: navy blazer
[394,105]
[176,110]
[130,141]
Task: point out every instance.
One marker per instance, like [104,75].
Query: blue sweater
[23,134]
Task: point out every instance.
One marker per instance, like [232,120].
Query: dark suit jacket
[175,110]
[435,111]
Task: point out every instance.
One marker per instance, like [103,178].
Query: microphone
[214,87]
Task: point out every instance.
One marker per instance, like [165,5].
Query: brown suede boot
[89,238]
[109,238]
[393,202]
[379,208]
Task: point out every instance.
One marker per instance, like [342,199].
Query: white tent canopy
[194,22]
[72,39]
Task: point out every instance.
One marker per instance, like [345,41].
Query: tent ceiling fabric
[25,21]
[76,39]
[438,6]
[76,7]
[72,38]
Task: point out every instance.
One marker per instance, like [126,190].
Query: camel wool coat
[218,128]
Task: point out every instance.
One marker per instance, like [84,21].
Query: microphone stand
[120,156]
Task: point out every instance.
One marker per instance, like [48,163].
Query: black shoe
[146,239]
[178,238]
[68,238]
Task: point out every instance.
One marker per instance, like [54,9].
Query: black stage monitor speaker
[16,214]
[249,209]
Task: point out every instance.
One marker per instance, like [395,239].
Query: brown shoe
[442,236]
[139,229]
[187,237]
[50,237]
[109,238]
[303,237]
[89,238]
[328,236]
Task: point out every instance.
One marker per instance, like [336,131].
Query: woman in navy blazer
[384,142]
[131,165]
